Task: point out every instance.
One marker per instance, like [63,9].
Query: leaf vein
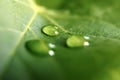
[12,53]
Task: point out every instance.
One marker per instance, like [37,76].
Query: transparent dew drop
[37,47]
[50,30]
[77,41]
[40,47]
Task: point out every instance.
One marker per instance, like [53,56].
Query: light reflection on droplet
[87,37]
[56,32]
[51,53]
[86,43]
[51,45]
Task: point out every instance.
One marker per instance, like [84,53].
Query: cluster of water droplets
[42,48]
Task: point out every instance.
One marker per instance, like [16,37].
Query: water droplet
[51,53]
[77,41]
[50,30]
[38,47]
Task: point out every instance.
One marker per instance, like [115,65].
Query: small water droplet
[50,30]
[37,47]
[51,53]
[77,41]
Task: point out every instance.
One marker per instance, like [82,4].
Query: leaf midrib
[12,53]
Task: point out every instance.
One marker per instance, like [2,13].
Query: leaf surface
[23,20]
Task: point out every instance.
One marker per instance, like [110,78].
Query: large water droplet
[50,30]
[77,41]
[38,47]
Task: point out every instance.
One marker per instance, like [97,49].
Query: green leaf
[22,20]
